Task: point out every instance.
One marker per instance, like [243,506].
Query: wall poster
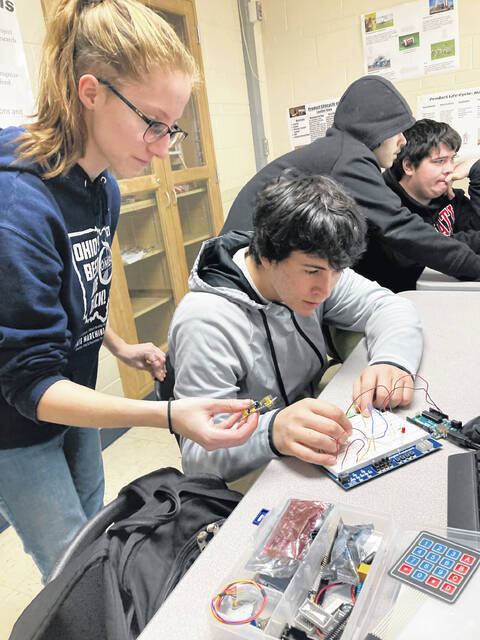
[16,97]
[308,122]
[461,110]
[412,39]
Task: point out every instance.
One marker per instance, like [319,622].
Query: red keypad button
[406,569]
[433,582]
[455,578]
[448,588]
[467,559]
[461,568]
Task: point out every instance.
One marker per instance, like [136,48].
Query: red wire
[390,392]
[337,439]
[352,442]
[413,375]
[329,586]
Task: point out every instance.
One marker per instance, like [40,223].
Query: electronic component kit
[380,443]
[302,582]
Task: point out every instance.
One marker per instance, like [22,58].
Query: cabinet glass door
[195,216]
[145,263]
[190,153]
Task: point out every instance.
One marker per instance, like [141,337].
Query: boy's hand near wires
[311,430]
[381,384]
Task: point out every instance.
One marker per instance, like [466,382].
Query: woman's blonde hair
[112,39]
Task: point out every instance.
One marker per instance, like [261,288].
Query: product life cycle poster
[461,109]
[412,39]
[16,98]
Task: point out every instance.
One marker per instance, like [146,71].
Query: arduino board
[380,443]
[435,423]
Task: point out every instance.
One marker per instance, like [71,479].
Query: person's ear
[408,168]
[88,91]
[266,264]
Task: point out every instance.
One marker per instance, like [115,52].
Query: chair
[164,390]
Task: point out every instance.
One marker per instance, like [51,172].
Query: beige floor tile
[19,572]
[151,433]
[12,604]
[138,456]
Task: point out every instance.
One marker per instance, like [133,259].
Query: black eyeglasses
[155,129]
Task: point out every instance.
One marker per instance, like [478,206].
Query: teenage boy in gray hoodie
[251,326]
[366,136]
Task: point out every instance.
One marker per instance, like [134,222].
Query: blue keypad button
[412,560]
[439,572]
[439,548]
[432,557]
[426,566]
[453,553]
[419,575]
[425,542]
[447,563]
[418,551]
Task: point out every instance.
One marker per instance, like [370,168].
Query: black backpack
[111,589]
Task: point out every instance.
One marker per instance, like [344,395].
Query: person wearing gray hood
[252,325]
[366,136]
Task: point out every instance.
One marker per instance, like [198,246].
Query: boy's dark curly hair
[311,214]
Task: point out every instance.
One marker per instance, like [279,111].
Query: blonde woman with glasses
[114,80]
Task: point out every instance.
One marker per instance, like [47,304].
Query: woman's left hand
[146,357]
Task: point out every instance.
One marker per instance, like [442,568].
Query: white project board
[375,437]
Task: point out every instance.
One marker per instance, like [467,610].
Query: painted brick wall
[313,51]
[221,44]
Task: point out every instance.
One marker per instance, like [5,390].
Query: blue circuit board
[386,464]
[436,425]
[382,442]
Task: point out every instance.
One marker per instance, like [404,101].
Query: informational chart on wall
[307,122]
[461,109]
[411,39]
[16,98]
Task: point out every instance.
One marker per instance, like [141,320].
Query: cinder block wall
[313,50]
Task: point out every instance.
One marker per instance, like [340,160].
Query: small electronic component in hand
[267,402]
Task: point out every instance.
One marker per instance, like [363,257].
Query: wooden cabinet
[165,216]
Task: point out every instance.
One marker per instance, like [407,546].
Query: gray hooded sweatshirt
[225,341]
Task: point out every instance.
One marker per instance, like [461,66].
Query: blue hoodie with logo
[55,274]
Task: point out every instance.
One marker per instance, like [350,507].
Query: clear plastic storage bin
[282,606]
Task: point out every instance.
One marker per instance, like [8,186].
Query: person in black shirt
[366,136]
[422,176]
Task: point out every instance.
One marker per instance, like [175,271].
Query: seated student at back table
[422,177]
[251,325]
[367,135]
